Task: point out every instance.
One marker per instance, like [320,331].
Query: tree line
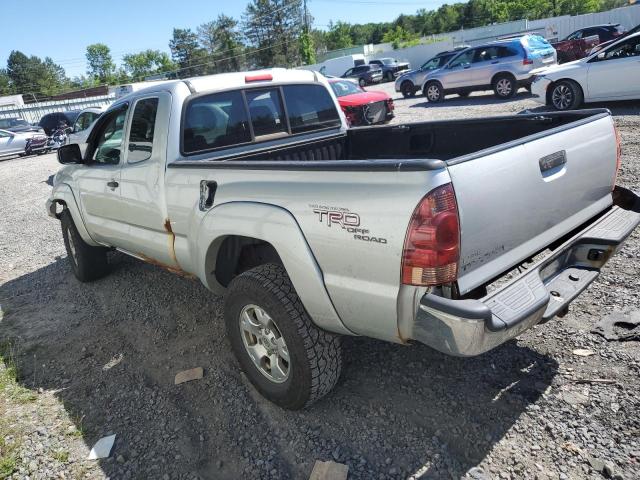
[269,33]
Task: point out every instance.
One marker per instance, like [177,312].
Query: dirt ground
[100,358]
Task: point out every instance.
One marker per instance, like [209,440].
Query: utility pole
[306,16]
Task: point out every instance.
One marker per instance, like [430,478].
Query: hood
[558,68]
[363,98]
[24,128]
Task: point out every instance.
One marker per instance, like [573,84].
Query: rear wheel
[565,95]
[88,263]
[504,86]
[407,89]
[434,92]
[286,357]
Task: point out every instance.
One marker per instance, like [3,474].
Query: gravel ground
[104,355]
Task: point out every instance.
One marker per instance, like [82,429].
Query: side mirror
[70,154]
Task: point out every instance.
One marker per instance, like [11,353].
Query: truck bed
[441,140]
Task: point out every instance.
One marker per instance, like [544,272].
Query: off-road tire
[407,89]
[429,91]
[315,355]
[88,263]
[506,80]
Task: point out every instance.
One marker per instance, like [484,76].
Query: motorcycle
[58,138]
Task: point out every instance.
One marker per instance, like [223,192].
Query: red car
[360,106]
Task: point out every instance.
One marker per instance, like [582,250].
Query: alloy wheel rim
[504,87]
[72,247]
[562,97]
[433,93]
[264,343]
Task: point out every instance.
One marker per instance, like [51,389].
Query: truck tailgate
[516,199]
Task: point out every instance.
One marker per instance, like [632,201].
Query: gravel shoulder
[100,358]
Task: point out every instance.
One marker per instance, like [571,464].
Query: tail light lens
[390,105]
[618,156]
[432,245]
[527,61]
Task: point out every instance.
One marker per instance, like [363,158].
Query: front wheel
[434,92]
[88,263]
[565,95]
[407,89]
[286,357]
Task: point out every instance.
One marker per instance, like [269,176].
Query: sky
[63,29]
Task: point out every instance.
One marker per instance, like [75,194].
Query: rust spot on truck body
[173,269]
[172,253]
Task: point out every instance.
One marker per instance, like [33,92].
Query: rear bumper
[471,327]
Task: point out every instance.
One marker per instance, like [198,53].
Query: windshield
[436,62]
[388,61]
[344,87]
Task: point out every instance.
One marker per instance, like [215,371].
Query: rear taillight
[432,245]
[527,61]
[618,156]
[390,105]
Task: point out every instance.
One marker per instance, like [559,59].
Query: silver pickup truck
[456,234]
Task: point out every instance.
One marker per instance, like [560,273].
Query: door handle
[112,184]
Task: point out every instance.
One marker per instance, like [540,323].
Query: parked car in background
[18,125]
[503,66]
[21,143]
[364,74]
[82,126]
[52,121]
[390,67]
[579,44]
[362,107]
[612,74]
[409,82]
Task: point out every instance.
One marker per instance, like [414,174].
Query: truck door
[98,180]
[142,180]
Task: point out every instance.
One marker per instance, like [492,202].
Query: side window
[108,138]
[309,107]
[485,54]
[626,49]
[214,121]
[4,135]
[143,125]
[504,52]
[575,35]
[265,110]
[463,59]
[348,72]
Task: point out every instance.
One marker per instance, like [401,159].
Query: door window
[348,72]
[265,111]
[485,54]
[143,125]
[628,48]
[108,138]
[463,59]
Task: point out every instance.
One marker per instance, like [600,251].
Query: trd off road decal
[335,217]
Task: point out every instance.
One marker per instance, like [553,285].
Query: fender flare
[63,195]
[278,227]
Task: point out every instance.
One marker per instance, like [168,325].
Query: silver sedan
[21,143]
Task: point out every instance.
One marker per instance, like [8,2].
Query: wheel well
[237,254]
[62,204]
[554,83]
[502,74]
[405,82]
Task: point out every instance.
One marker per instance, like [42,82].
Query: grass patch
[8,449]
[9,386]
[61,456]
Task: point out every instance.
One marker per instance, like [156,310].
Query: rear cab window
[226,119]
